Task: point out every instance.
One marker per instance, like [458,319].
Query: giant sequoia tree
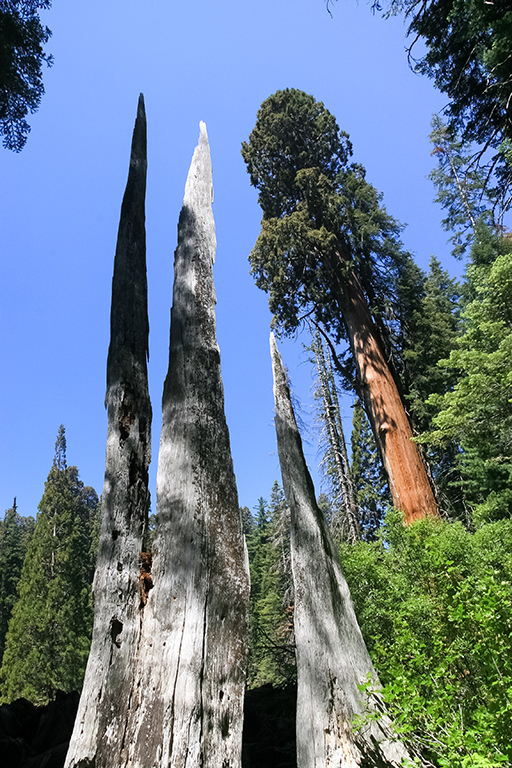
[325,251]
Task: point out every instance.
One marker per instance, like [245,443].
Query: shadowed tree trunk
[187,709]
[100,728]
[332,659]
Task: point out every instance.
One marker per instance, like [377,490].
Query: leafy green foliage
[434,605]
[315,207]
[431,326]
[22,37]
[48,640]
[477,412]
[462,187]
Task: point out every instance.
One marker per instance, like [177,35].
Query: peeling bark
[100,727]
[332,659]
[187,709]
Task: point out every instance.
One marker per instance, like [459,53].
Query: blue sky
[60,201]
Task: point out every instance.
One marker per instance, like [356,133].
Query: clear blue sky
[60,201]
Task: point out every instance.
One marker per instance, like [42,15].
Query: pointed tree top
[59,459]
[139,153]
[199,187]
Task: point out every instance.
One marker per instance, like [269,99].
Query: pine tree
[272,658]
[476,413]
[461,187]
[48,640]
[15,535]
[368,478]
[344,519]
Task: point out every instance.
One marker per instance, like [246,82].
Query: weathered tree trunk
[100,727]
[336,440]
[332,659]
[408,480]
[187,708]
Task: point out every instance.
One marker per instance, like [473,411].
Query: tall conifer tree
[15,535]
[49,633]
[373,498]
[272,658]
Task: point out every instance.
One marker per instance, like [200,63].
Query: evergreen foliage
[462,187]
[329,252]
[434,604]
[314,205]
[22,37]
[468,58]
[15,535]
[272,655]
[369,481]
[48,640]
[432,327]
[476,413]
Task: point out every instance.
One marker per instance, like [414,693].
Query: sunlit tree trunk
[187,706]
[332,660]
[408,480]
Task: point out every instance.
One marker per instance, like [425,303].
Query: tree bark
[100,728]
[332,659]
[165,681]
[336,441]
[408,480]
[187,709]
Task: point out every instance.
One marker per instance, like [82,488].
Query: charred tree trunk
[332,659]
[187,708]
[100,727]
[408,480]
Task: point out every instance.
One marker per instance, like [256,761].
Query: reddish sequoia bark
[408,479]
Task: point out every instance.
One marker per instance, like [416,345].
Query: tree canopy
[22,38]
[468,58]
[328,251]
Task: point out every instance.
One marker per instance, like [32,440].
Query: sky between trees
[60,201]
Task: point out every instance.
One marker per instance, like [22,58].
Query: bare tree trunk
[100,728]
[332,659]
[165,681]
[336,438]
[187,709]
[408,480]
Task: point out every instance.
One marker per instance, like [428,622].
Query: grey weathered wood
[187,711]
[332,658]
[100,728]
